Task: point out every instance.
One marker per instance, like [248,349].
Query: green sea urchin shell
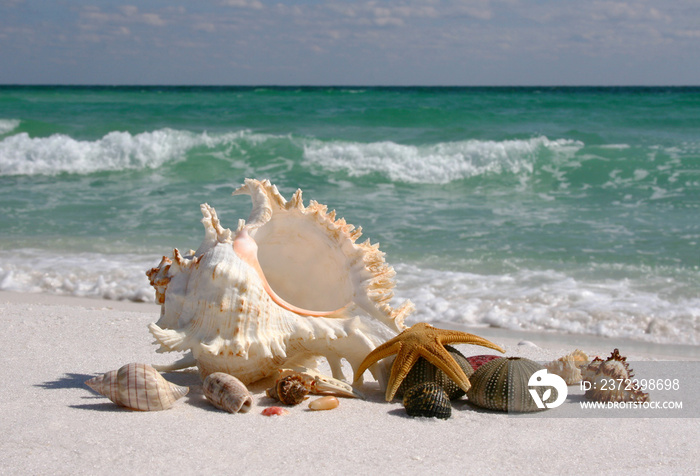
[502,385]
[427,399]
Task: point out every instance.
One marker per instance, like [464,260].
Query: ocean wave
[8,125]
[438,163]
[21,154]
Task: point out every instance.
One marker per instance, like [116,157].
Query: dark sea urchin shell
[427,399]
[423,371]
[502,385]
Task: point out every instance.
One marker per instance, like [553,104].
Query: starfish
[422,340]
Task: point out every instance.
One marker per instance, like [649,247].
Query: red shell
[269,411]
[477,361]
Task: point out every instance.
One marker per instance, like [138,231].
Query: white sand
[53,424]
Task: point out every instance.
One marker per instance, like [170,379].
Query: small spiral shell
[427,399]
[502,384]
[290,390]
[138,387]
[227,393]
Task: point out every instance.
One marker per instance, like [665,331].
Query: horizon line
[263,85]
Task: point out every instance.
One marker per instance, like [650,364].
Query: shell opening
[304,268]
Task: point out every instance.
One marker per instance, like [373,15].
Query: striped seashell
[502,384]
[227,393]
[424,371]
[427,399]
[138,387]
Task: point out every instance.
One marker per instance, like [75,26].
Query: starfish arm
[400,368]
[385,350]
[440,358]
[464,338]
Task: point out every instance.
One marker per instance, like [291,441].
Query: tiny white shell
[227,393]
[138,387]
[324,403]
[569,366]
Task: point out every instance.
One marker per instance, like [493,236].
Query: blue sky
[336,42]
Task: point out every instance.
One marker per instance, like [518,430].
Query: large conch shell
[288,286]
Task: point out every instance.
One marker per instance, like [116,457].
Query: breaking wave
[439,163]
[21,154]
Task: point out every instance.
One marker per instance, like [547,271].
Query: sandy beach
[53,424]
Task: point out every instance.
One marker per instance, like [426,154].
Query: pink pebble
[270,411]
[477,361]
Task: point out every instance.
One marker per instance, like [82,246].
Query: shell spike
[296,202]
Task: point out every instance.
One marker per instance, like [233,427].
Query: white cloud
[128,14]
[208,27]
[129,10]
[152,19]
[480,9]
[254,4]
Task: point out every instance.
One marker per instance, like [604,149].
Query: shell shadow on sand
[73,380]
[76,380]
[70,380]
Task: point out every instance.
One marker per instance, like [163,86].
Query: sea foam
[119,277]
[21,154]
[548,300]
[8,125]
[530,300]
[438,163]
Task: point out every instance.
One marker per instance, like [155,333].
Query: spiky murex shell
[289,285]
[612,380]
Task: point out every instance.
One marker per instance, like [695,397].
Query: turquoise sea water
[564,209]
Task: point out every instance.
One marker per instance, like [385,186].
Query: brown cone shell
[227,393]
